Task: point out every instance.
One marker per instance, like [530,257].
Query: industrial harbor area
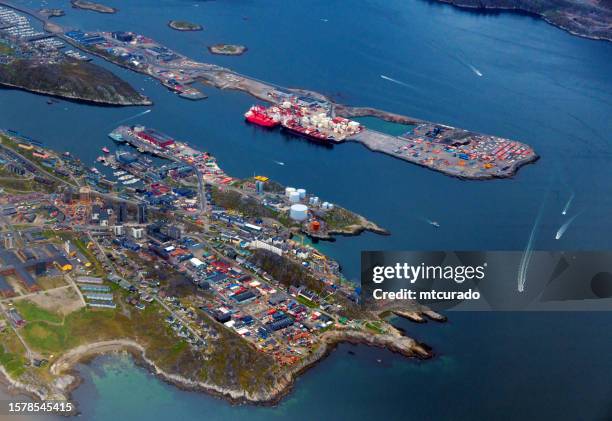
[303,210]
[453,151]
[159,245]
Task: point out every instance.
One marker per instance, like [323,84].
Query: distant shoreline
[573,23]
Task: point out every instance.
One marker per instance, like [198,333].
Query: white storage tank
[302,193]
[294,197]
[289,190]
[324,205]
[314,200]
[298,212]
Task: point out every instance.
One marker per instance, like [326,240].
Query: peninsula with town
[205,278]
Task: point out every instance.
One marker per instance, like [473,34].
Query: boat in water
[105,150]
[259,115]
[434,223]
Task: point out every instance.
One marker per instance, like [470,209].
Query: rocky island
[90,5]
[227,49]
[52,13]
[589,19]
[70,79]
[182,25]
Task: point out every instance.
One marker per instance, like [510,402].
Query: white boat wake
[432,222]
[475,70]
[526,259]
[399,82]
[279,163]
[134,116]
[568,204]
[565,226]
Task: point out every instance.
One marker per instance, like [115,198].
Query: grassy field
[375,327]
[13,363]
[306,302]
[12,353]
[32,313]
[50,334]
[339,218]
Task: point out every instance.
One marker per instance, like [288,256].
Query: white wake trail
[475,70]
[568,204]
[565,226]
[134,116]
[399,82]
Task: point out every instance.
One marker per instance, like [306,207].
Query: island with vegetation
[182,25]
[227,49]
[589,19]
[90,5]
[70,79]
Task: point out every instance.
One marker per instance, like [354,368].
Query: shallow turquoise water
[383,126]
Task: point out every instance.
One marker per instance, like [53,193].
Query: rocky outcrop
[71,79]
[90,5]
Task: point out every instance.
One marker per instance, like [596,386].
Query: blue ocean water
[506,74]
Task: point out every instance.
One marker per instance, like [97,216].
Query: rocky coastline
[68,379]
[591,20]
[78,81]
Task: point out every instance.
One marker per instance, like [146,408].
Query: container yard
[456,152]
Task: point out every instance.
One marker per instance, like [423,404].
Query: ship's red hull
[310,136]
[261,120]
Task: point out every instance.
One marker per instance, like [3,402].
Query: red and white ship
[259,115]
